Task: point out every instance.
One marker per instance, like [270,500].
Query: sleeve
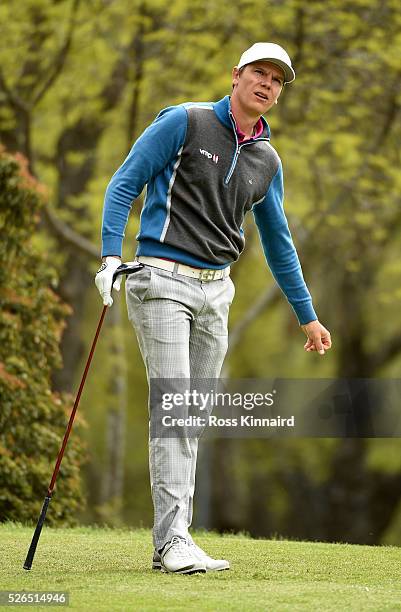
[280,251]
[153,150]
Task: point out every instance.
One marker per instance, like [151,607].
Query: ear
[276,100]
[235,75]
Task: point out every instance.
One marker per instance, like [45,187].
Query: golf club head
[127,268]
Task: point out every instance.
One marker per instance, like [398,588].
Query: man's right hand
[104,279]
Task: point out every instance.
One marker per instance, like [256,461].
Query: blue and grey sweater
[200,184]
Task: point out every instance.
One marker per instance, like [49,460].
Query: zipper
[236,154]
[238,148]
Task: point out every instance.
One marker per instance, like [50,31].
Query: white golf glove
[104,279]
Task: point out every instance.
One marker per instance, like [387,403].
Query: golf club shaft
[41,520]
[72,416]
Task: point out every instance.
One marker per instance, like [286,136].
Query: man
[205,165]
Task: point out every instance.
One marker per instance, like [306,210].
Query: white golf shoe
[177,558]
[212,565]
[209,564]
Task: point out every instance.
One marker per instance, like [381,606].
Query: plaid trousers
[181,326]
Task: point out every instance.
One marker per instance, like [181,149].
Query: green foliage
[32,418]
[336,128]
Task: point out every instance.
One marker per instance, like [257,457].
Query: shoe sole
[156,565]
[185,571]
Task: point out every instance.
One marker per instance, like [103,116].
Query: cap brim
[289,74]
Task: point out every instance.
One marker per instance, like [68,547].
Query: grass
[109,569]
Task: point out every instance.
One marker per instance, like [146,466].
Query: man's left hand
[319,338]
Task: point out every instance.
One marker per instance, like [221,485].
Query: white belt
[202,274]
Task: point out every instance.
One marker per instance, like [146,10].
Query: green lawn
[109,569]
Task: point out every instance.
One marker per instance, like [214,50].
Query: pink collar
[257,131]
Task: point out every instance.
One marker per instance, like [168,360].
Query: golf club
[126,268]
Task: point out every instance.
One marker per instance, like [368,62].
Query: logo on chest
[213,156]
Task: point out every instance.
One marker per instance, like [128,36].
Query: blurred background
[79,81]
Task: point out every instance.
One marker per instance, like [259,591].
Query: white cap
[269,52]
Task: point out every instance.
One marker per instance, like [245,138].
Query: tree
[339,136]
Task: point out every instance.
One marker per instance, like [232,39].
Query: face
[257,87]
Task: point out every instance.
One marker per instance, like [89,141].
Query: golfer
[205,165]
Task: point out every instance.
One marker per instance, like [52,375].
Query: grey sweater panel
[206,210]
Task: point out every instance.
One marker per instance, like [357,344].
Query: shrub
[32,416]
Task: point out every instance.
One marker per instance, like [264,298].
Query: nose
[267,80]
